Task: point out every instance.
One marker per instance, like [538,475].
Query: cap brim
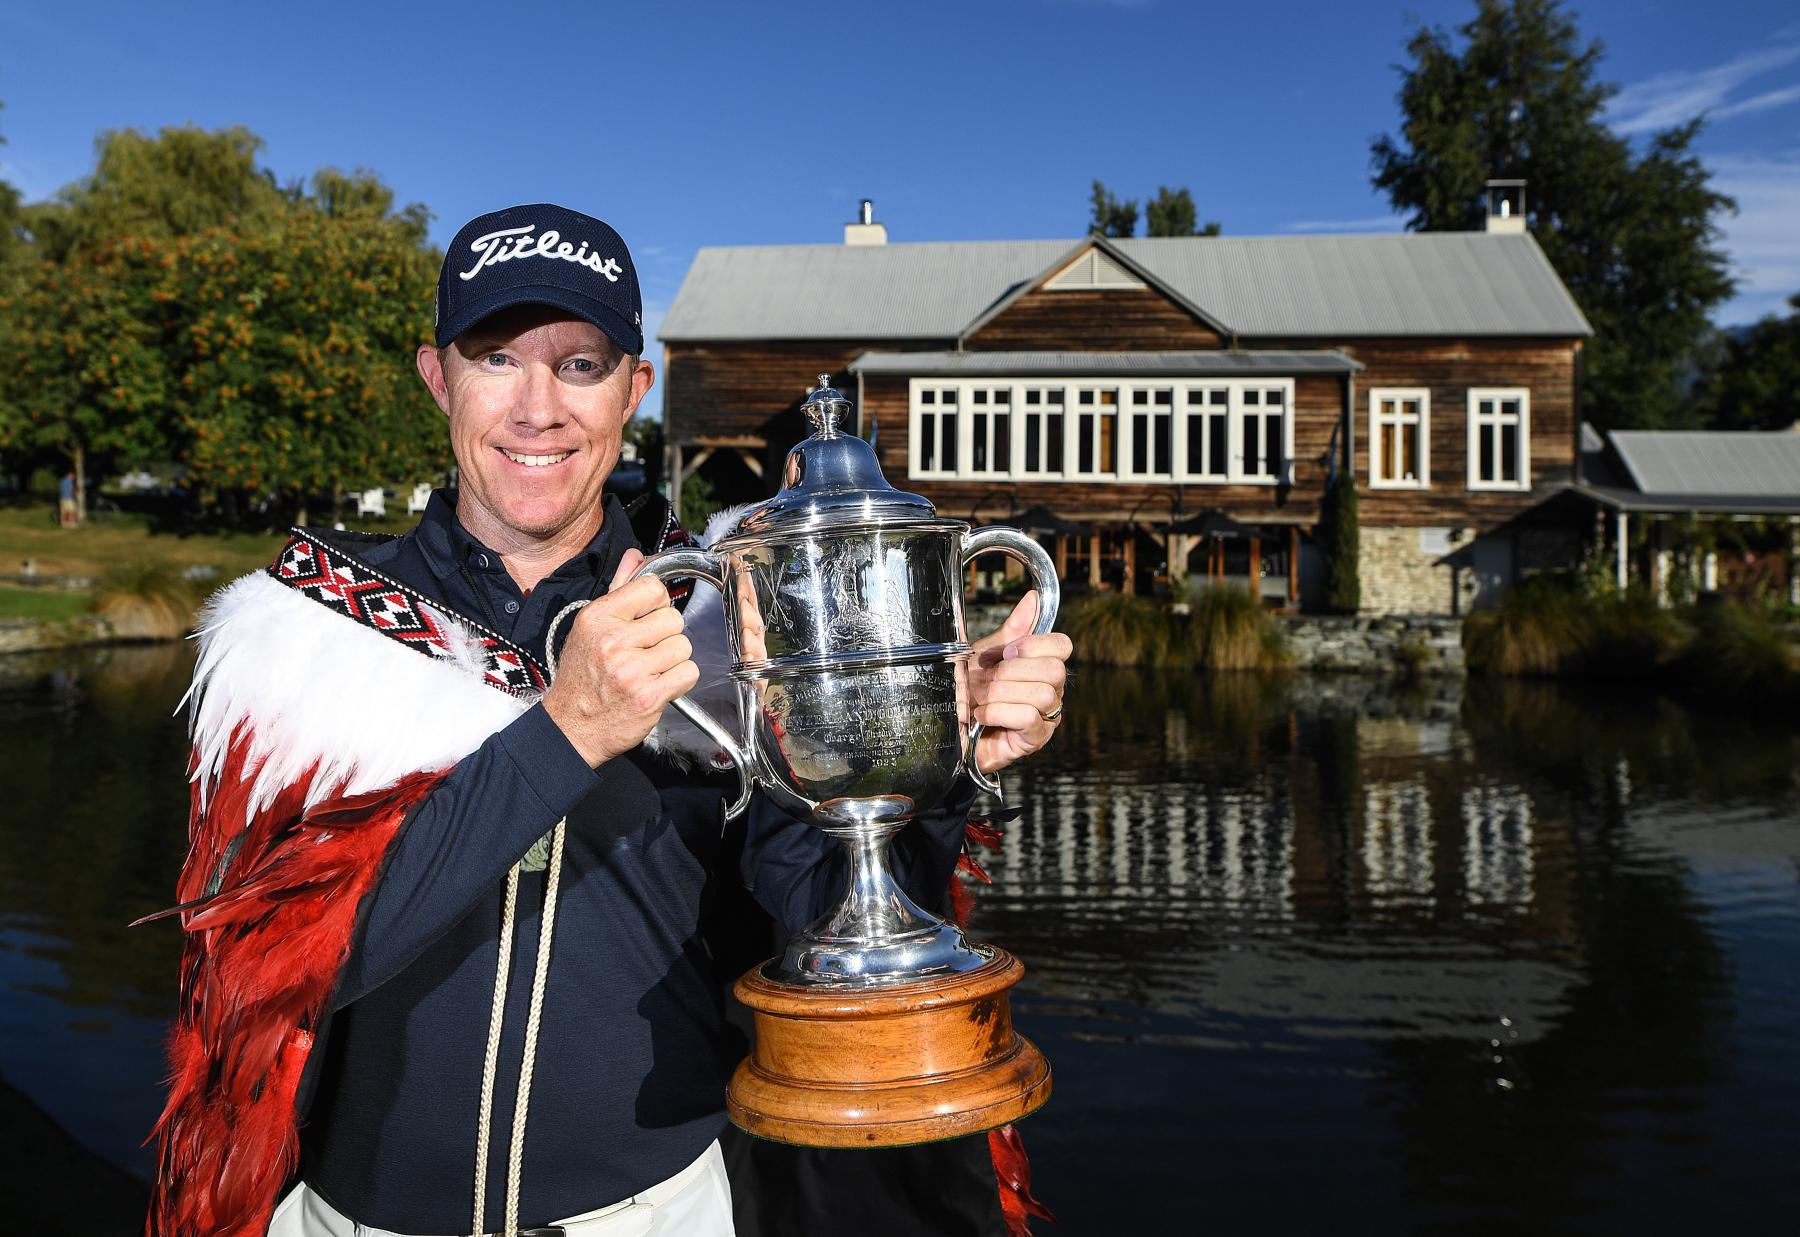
[629,337]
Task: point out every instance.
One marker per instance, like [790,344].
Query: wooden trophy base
[885,1067]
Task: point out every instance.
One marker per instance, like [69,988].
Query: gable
[1072,317]
[1093,269]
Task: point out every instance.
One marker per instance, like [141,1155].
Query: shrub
[1631,635]
[1228,629]
[1115,629]
[1341,536]
[1542,626]
[147,601]
[1738,654]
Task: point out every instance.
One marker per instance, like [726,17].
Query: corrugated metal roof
[1198,364]
[1438,283]
[1711,463]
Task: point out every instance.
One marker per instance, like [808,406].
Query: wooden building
[1130,386]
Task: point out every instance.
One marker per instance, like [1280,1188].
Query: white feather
[312,687]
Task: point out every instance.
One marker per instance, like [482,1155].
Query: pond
[1303,951]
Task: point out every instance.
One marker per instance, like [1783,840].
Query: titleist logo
[509,243]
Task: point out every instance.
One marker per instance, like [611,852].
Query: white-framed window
[935,430]
[1262,441]
[1400,438]
[1207,431]
[1150,431]
[990,430]
[1096,448]
[1499,438]
[1042,432]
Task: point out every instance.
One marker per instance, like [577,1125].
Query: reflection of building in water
[1225,847]
[1496,861]
[1397,850]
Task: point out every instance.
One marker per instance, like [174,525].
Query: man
[419,885]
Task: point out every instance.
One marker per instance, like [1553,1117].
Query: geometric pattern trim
[348,586]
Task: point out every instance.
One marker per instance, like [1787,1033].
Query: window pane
[1196,444]
[1109,460]
[1162,444]
[1084,426]
[1272,445]
[1253,396]
[1485,465]
[949,419]
[978,439]
[1034,423]
[1252,446]
[928,397]
[928,430]
[1509,452]
[1216,461]
[1055,445]
[1409,458]
[1002,442]
[1386,463]
[1219,396]
[1140,443]
[1274,397]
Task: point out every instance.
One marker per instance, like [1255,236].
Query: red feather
[262,955]
[1012,1171]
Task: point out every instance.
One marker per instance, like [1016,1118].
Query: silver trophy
[844,608]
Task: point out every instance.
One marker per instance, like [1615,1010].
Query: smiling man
[456,955]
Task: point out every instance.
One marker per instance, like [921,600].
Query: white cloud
[1763,238]
[1676,97]
[1372,223]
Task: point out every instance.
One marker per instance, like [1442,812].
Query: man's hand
[1017,682]
[625,660]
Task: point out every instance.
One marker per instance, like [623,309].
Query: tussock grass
[1542,626]
[1114,629]
[147,601]
[1225,629]
[1228,629]
[1738,655]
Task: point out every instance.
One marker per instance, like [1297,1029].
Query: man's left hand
[1017,681]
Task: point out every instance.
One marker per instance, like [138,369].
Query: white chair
[371,502]
[421,495]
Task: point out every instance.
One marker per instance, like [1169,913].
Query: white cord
[533,1019]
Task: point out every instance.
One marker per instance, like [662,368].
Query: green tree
[1111,217]
[1632,235]
[1171,213]
[1754,381]
[1340,536]
[91,385]
[295,361]
[12,238]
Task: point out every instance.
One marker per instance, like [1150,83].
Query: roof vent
[865,231]
[1506,206]
[1093,269]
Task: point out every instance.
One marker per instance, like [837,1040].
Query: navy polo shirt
[634,1050]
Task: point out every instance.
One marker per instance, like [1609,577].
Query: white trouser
[695,1202]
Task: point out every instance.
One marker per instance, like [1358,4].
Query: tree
[1112,217]
[1633,236]
[1340,536]
[1171,213]
[295,362]
[91,385]
[1754,384]
[178,183]
[12,240]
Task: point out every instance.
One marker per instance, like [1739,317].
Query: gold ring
[1053,714]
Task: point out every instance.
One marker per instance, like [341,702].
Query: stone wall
[1393,645]
[1415,570]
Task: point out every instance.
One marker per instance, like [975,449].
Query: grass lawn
[40,604]
[29,530]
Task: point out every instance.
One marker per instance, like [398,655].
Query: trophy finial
[825,407]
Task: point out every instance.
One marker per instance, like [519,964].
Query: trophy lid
[832,476]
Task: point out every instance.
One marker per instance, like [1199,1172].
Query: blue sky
[689,124]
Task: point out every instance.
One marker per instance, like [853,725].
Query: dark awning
[1043,520]
[1214,524]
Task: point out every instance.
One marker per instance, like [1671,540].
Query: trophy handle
[703,565]
[1014,544]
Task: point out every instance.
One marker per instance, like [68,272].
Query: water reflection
[1298,948]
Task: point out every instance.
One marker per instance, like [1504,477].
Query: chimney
[1506,206]
[865,231]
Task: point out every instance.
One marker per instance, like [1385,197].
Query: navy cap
[540,255]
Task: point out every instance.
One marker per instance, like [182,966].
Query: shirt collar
[448,546]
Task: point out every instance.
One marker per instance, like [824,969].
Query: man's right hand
[625,660]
